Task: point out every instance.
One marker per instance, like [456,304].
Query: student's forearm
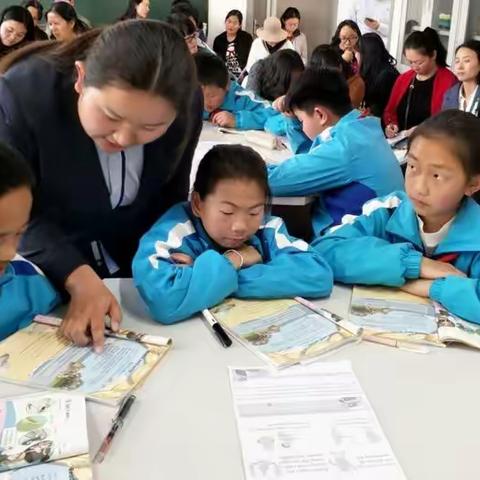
[287,275]
[370,261]
[461,296]
[175,292]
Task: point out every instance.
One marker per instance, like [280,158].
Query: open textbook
[283,332]
[43,436]
[309,423]
[38,356]
[392,313]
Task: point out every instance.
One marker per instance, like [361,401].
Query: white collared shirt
[471,105]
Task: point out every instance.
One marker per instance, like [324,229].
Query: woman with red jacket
[418,93]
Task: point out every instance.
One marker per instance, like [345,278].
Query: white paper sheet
[309,423]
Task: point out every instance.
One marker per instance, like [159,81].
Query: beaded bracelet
[236,252]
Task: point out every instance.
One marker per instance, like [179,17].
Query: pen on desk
[322,311]
[221,334]
[117,424]
[400,344]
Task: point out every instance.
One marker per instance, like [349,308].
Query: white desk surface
[183,427]
[210,133]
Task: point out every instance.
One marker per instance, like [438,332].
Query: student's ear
[196,203]
[80,81]
[473,186]
[322,115]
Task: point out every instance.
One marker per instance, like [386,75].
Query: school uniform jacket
[384,247]
[175,292]
[38,117]
[346,165]
[250,112]
[24,293]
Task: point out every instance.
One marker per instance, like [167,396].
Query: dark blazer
[38,117]
[450,99]
[243,42]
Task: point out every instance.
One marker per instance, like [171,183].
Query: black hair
[225,162]
[427,43]
[290,12]
[324,87]
[235,13]
[35,4]
[346,23]
[146,55]
[473,45]
[182,24]
[275,73]
[375,57]
[186,8]
[22,15]
[329,57]
[68,13]
[14,171]
[461,130]
[131,11]
[211,70]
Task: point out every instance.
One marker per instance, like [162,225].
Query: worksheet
[311,422]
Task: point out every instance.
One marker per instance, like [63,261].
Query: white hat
[272,31]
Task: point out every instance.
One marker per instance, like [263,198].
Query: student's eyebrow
[111,113]
[234,205]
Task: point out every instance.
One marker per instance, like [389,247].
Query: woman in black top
[378,72]
[36,11]
[233,45]
[111,140]
[16,29]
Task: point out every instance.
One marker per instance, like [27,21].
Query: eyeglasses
[352,38]
[11,32]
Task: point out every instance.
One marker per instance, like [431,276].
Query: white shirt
[300,45]
[472,105]
[358,10]
[432,240]
[259,52]
[122,176]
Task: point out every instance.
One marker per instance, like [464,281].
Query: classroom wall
[318,19]
[101,12]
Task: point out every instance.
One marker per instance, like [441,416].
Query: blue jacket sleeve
[360,253]
[173,292]
[323,168]
[459,295]
[251,114]
[292,268]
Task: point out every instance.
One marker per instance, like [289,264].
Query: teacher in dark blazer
[109,122]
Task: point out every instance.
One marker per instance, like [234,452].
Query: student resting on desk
[226,103]
[425,241]
[349,161]
[224,243]
[24,290]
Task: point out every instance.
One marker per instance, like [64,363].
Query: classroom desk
[183,425]
[296,211]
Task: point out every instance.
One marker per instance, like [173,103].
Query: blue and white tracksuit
[24,293]
[384,247]
[250,112]
[175,292]
[347,165]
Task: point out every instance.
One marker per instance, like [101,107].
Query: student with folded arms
[425,241]
[349,161]
[226,103]
[24,290]
[224,243]
[110,140]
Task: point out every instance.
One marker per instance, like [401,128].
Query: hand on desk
[224,119]
[432,269]
[90,302]
[391,130]
[420,287]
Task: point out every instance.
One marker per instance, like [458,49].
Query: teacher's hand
[90,302]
